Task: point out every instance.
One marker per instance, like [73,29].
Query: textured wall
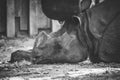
[22,11]
[25,15]
[37,17]
[10,18]
[2,15]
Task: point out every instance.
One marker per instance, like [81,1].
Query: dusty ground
[81,71]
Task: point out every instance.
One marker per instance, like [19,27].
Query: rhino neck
[93,42]
[87,38]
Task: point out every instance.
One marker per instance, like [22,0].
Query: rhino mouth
[41,60]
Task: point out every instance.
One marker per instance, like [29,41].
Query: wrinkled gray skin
[104,25]
[62,47]
[99,31]
[94,33]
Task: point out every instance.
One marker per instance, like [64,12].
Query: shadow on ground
[22,71]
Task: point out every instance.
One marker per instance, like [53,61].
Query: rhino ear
[85,4]
[41,39]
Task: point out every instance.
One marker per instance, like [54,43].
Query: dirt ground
[26,71]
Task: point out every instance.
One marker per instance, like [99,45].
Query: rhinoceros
[98,27]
